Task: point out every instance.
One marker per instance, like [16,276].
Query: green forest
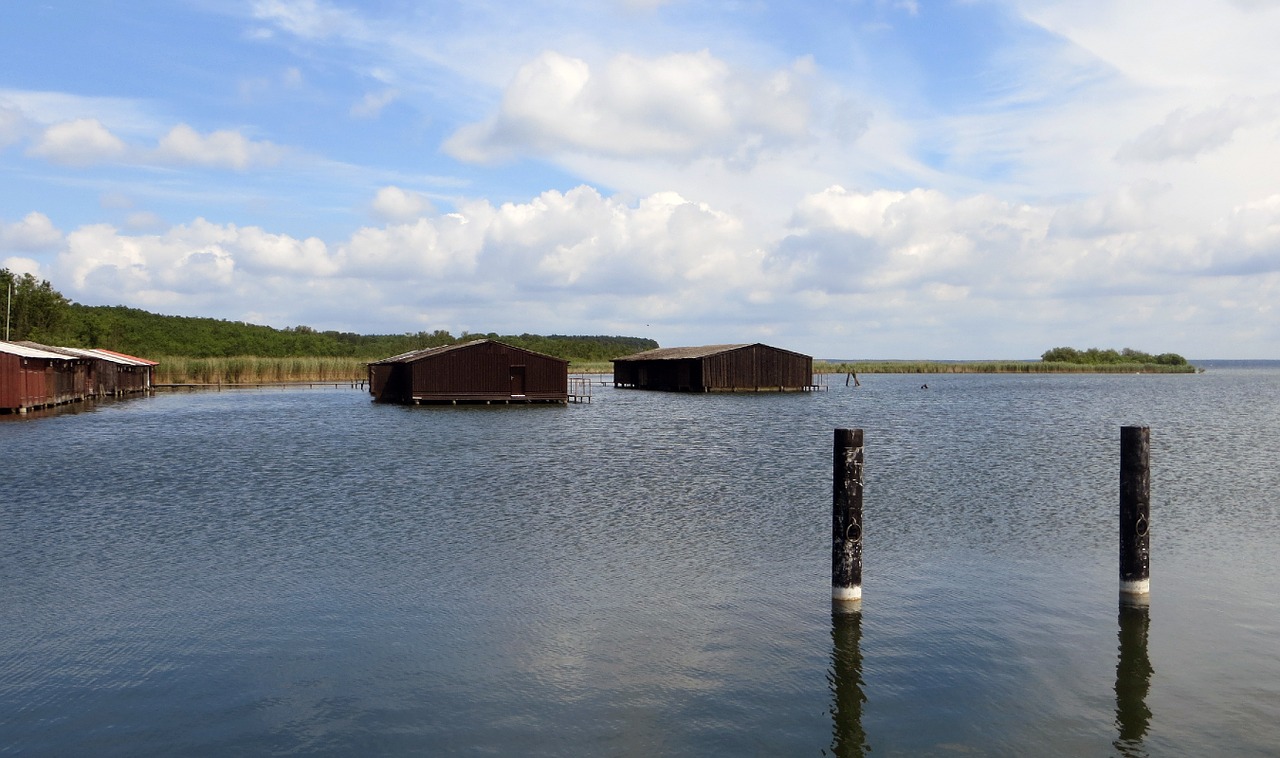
[39,313]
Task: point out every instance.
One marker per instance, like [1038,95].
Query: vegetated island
[1057,360]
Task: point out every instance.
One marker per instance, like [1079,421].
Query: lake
[302,571]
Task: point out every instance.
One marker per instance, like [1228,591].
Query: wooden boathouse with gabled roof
[716,368]
[31,378]
[482,371]
[109,373]
[35,376]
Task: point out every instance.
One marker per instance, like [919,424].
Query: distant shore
[993,367]
[247,370]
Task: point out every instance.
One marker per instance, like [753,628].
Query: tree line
[1095,357]
[39,313]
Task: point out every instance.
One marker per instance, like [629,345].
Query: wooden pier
[580,389]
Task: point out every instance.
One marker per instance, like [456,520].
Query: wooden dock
[348,384]
[580,389]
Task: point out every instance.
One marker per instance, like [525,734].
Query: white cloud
[87,141]
[34,232]
[1201,45]
[200,258]
[884,241]
[81,142]
[305,18]
[396,204]
[952,272]
[253,88]
[676,106]
[144,221]
[41,109]
[1185,134]
[219,149]
[21,266]
[438,254]
[1248,241]
[13,126]
[371,105]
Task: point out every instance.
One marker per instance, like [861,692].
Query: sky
[977,179]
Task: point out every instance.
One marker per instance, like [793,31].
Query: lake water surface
[305,572]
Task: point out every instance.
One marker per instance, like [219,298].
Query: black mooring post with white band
[1135,510]
[846,516]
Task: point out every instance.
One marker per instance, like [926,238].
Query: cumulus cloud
[21,265]
[927,242]
[676,106]
[396,204]
[660,249]
[199,257]
[144,221]
[219,149]
[1125,211]
[80,142]
[34,232]
[87,141]
[918,261]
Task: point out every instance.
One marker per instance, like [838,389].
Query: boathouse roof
[480,371]
[753,367]
[26,351]
[417,355]
[703,351]
[96,353]
[129,359]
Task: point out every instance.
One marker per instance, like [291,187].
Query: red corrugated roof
[142,361]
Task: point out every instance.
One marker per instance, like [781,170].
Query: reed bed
[993,367]
[590,367]
[252,369]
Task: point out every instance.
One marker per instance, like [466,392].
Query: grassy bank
[251,369]
[591,367]
[255,369]
[993,367]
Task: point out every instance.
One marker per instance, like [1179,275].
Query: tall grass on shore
[251,369]
[994,367]
[591,367]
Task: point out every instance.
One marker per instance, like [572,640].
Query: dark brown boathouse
[483,371]
[34,376]
[716,368]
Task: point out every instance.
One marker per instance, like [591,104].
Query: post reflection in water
[1133,677]
[848,737]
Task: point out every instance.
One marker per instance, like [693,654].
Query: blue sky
[855,178]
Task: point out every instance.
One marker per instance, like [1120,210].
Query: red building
[33,378]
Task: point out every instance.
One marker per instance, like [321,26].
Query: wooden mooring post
[1135,511]
[846,515]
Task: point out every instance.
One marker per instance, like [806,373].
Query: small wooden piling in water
[846,515]
[1135,510]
